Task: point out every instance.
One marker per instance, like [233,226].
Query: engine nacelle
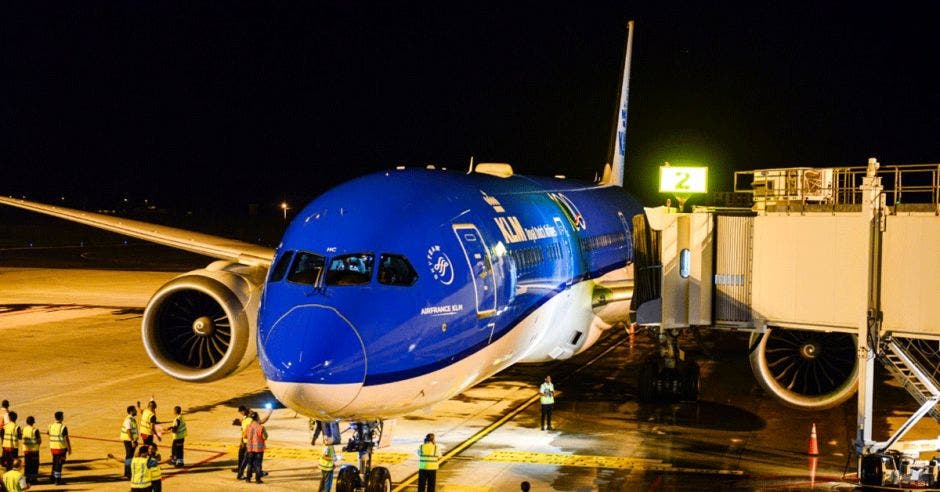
[202,325]
[805,369]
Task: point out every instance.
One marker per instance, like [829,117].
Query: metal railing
[914,185]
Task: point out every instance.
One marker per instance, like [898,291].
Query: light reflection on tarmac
[76,347]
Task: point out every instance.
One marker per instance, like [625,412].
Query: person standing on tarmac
[327,463]
[129,436]
[14,480]
[255,436]
[547,396]
[148,423]
[4,413]
[10,435]
[140,470]
[153,464]
[59,445]
[428,456]
[32,438]
[244,421]
[179,436]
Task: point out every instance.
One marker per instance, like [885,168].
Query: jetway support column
[873,204]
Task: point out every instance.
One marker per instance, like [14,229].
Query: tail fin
[613,171]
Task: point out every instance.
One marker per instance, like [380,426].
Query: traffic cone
[813,445]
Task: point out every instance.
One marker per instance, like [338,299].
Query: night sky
[224,103]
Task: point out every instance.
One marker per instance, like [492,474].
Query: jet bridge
[829,270]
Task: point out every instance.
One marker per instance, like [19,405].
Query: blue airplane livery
[398,289]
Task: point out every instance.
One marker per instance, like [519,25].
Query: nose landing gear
[365,478]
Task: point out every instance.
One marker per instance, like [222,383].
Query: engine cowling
[202,326]
[805,369]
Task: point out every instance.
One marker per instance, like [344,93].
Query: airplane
[399,289]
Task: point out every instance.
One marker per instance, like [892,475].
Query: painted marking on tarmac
[593,461]
[306,453]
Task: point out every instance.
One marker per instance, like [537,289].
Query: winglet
[618,144]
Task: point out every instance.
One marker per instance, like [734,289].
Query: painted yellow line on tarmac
[591,461]
[378,458]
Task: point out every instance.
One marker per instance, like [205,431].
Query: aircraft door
[567,260]
[481,268]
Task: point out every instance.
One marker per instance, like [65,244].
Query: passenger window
[306,268]
[352,269]
[395,270]
[280,268]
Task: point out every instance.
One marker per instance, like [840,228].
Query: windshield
[354,269]
[306,268]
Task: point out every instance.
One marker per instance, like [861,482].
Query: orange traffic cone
[813,446]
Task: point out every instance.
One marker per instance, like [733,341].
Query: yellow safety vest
[246,421]
[11,480]
[30,441]
[145,426]
[427,456]
[129,429]
[180,432]
[10,438]
[328,460]
[155,471]
[140,473]
[57,435]
[547,389]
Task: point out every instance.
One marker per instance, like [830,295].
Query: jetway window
[685,262]
[396,270]
[280,268]
[306,268]
[354,269]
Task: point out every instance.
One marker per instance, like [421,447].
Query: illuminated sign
[674,179]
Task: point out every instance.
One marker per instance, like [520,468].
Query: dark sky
[227,102]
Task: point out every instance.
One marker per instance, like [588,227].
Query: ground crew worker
[328,462]
[14,480]
[256,436]
[10,436]
[428,456]
[244,421]
[59,445]
[32,438]
[4,413]
[547,396]
[148,423]
[156,479]
[179,436]
[129,436]
[140,470]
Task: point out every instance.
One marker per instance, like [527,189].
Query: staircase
[914,364]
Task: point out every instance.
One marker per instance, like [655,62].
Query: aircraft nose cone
[314,359]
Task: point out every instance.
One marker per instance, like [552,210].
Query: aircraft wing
[204,244]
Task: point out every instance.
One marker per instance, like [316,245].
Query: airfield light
[683,181]
[284,207]
[267,406]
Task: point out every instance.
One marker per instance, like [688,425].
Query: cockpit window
[354,269]
[306,268]
[395,270]
[280,268]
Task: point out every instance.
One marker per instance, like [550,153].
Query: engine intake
[201,326]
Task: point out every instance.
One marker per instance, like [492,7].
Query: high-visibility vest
[328,460]
[11,438]
[246,421]
[549,390]
[140,472]
[129,429]
[11,480]
[427,456]
[154,468]
[146,427]
[256,435]
[180,424]
[30,439]
[57,435]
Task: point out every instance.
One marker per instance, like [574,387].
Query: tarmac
[72,343]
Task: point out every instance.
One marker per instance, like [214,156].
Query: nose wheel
[365,478]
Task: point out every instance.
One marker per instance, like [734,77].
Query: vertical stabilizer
[618,144]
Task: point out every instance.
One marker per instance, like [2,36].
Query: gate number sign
[674,179]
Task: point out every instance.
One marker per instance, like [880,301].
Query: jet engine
[805,369]
[202,326]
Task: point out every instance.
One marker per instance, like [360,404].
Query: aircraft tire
[380,480]
[348,479]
